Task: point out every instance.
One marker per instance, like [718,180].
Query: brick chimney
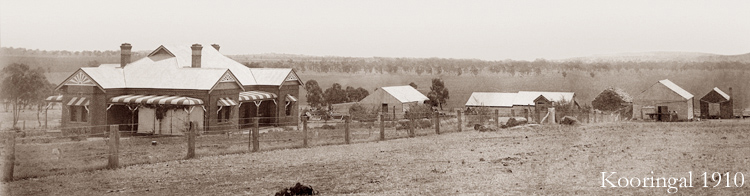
[730,94]
[196,55]
[216,46]
[125,54]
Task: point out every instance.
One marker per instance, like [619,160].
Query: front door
[663,113]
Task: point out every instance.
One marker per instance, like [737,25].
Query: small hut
[716,104]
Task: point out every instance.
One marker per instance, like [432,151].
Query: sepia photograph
[412,97]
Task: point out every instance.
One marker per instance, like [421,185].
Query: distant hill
[661,56]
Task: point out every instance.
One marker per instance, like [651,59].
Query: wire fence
[43,152]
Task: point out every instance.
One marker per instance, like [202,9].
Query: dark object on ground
[297,189]
[512,122]
[328,127]
[484,128]
[569,120]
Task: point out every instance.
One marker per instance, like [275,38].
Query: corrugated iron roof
[726,96]
[211,58]
[270,76]
[169,67]
[405,94]
[106,76]
[491,99]
[677,89]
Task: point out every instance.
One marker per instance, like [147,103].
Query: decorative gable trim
[291,77]
[161,48]
[227,77]
[79,78]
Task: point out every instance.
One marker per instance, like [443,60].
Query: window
[79,114]
[73,113]
[289,108]
[224,113]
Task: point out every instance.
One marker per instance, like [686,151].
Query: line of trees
[317,98]
[438,66]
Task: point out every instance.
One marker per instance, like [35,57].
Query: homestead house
[717,104]
[394,99]
[662,101]
[531,104]
[174,85]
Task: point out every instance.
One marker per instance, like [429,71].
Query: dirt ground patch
[557,160]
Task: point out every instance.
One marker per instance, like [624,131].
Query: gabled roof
[677,89]
[528,97]
[522,98]
[274,76]
[405,94]
[169,67]
[491,99]
[210,58]
[726,96]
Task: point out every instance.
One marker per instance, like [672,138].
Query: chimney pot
[196,63]
[216,46]
[125,54]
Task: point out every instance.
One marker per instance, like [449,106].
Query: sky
[488,30]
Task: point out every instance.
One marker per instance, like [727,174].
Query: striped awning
[78,101]
[156,99]
[55,98]
[226,101]
[256,96]
[291,98]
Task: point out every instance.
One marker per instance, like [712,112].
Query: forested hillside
[587,76]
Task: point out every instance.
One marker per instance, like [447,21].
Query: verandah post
[256,134]
[114,145]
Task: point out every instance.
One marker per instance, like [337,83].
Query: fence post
[114,145]
[437,122]
[347,133]
[9,156]
[191,141]
[304,132]
[382,127]
[497,116]
[458,115]
[256,135]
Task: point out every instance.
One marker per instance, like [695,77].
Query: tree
[20,85]
[314,94]
[438,93]
[334,94]
[355,95]
[412,84]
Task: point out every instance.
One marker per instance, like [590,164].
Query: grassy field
[48,154]
[547,159]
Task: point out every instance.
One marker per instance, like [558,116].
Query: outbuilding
[394,99]
[717,104]
[663,101]
[530,104]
